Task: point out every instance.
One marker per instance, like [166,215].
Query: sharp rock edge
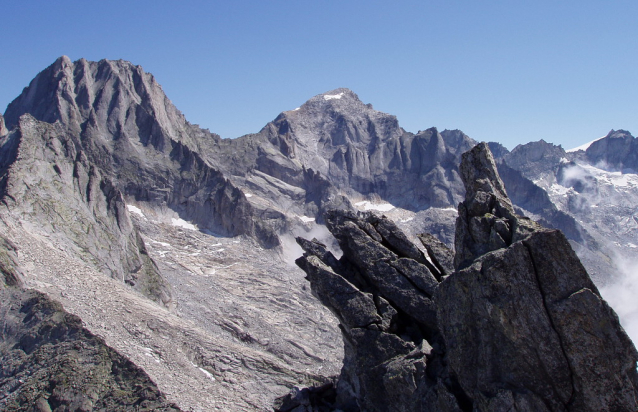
[518,326]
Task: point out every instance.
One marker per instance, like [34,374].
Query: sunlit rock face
[120,209]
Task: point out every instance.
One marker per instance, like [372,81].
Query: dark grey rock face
[519,325]
[618,150]
[50,362]
[486,219]
[381,292]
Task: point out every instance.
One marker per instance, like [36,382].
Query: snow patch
[306,219]
[208,374]
[248,194]
[182,223]
[381,207]
[631,245]
[583,146]
[333,96]
[294,110]
[559,190]
[136,210]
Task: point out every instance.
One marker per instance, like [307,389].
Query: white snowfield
[333,96]
[136,210]
[182,223]
[306,219]
[381,207]
[583,146]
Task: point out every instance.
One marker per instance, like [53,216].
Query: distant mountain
[99,167]
[590,195]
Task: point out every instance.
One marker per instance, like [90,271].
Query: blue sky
[507,71]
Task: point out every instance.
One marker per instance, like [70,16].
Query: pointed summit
[114,98]
[486,218]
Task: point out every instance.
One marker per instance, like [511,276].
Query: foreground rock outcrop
[518,326]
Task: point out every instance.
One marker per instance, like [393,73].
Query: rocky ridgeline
[128,129]
[85,139]
[518,324]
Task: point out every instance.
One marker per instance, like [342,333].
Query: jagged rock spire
[520,326]
[486,218]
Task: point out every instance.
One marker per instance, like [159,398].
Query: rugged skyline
[506,72]
[175,245]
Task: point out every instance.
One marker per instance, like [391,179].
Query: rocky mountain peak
[112,97]
[616,151]
[340,99]
[336,118]
[535,157]
[486,218]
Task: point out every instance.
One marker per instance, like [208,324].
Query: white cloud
[621,296]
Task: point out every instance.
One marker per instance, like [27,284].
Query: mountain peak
[113,97]
[62,61]
[341,100]
[338,94]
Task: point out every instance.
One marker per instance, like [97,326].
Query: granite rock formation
[96,165]
[518,326]
[50,183]
[129,131]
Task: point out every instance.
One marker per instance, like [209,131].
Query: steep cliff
[130,131]
[49,184]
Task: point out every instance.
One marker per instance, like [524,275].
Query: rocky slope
[51,184]
[50,362]
[518,326]
[123,210]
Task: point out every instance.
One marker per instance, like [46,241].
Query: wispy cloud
[622,296]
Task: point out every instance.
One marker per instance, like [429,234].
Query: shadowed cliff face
[518,326]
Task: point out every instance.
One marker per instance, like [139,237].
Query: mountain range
[174,246]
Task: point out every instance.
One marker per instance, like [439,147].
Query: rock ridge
[519,325]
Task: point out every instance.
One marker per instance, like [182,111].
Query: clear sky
[509,71]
